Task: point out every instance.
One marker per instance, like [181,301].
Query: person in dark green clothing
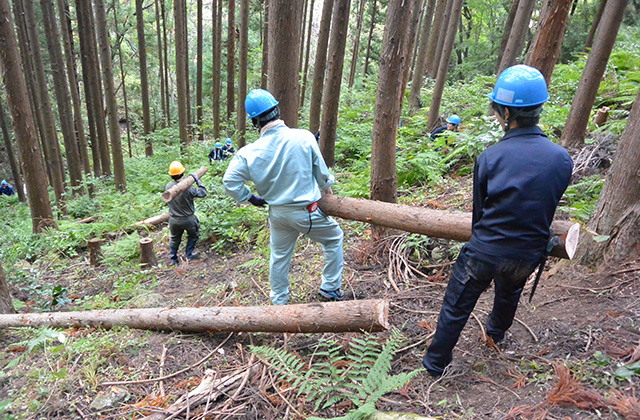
[182,213]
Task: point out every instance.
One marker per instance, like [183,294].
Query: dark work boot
[174,256]
[189,250]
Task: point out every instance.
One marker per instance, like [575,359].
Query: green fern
[361,374]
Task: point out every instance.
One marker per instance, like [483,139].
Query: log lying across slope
[434,223]
[319,317]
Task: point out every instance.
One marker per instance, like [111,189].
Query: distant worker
[453,122]
[512,212]
[288,172]
[182,213]
[227,149]
[216,152]
[5,188]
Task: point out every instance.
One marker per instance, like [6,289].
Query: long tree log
[434,223]
[318,317]
[153,221]
[183,185]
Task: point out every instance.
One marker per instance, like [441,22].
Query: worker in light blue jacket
[288,173]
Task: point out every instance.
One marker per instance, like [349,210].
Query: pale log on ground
[318,317]
[183,185]
[153,221]
[429,222]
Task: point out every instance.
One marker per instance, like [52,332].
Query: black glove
[257,201]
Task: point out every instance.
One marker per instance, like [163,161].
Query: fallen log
[318,317]
[434,223]
[153,221]
[183,185]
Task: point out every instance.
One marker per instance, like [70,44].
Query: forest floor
[559,359]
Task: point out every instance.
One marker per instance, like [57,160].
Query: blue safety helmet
[454,119]
[520,86]
[228,141]
[218,145]
[3,182]
[259,101]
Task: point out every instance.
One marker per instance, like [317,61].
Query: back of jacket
[182,205]
[517,185]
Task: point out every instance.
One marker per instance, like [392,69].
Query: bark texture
[320,66]
[144,81]
[434,38]
[319,317]
[243,53]
[421,59]
[13,163]
[147,256]
[6,305]
[231,56]
[181,70]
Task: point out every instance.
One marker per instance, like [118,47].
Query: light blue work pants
[287,223]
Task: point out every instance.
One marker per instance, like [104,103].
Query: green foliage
[361,374]
[44,336]
[581,198]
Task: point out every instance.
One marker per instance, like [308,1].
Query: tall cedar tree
[50,135]
[144,82]
[515,44]
[320,66]
[594,25]
[442,36]
[165,56]
[371,28]
[243,49]
[6,304]
[421,58]
[62,94]
[110,96]
[165,112]
[333,82]
[431,67]
[69,58]
[181,70]
[231,57]
[13,163]
[93,85]
[119,38]
[411,44]
[394,57]
[264,70]
[199,59]
[583,100]
[305,71]
[284,28]
[303,28]
[23,123]
[618,211]
[216,72]
[443,68]
[508,24]
[547,41]
[356,44]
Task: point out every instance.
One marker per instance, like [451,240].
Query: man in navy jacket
[517,185]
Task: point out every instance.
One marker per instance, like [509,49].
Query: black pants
[177,226]
[472,274]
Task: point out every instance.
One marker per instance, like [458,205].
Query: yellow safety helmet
[176,168]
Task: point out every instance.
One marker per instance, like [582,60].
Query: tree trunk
[443,68]
[50,134]
[216,72]
[284,32]
[303,22]
[547,41]
[95,251]
[110,96]
[421,59]
[243,52]
[435,223]
[508,25]
[574,131]
[199,59]
[393,60]
[62,93]
[183,185]
[331,94]
[147,256]
[78,123]
[594,26]
[264,70]
[431,67]
[320,67]
[442,37]
[356,44]
[368,54]
[15,170]
[618,211]
[413,30]
[305,71]
[181,70]
[163,103]
[231,57]
[23,123]
[185,35]
[93,85]
[515,44]
[144,83]
[165,56]
[6,305]
[317,317]
[119,38]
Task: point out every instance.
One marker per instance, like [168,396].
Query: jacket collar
[270,125]
[528,131]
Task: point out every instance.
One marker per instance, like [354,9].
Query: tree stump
[95,252]
[601,116]
[147,256]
